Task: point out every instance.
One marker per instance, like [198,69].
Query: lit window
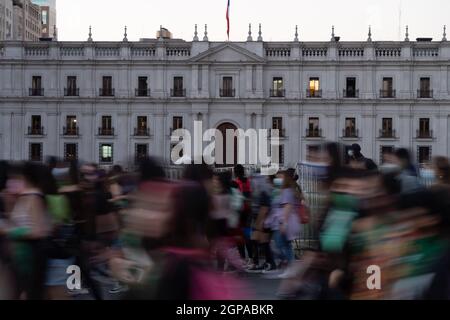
[44,17]
[314,87]
[106,151]
[314,84]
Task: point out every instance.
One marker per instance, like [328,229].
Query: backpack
[304,214]
[63,240]
[303,211]
[244,187]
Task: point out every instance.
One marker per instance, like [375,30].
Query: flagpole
[228,20]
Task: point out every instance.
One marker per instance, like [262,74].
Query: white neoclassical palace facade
[110,102]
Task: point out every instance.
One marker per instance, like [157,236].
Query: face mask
[350,153]
[428,174]
[278,182]
[388,168]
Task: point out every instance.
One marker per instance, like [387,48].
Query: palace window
[70,151]
[35,152]
[314,88]
[106,153]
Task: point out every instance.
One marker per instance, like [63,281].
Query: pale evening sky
[278,18]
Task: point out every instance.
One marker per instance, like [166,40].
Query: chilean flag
[228,20]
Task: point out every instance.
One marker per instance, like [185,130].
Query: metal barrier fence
[176,172]
[309,181]
[315,199]
[308,239]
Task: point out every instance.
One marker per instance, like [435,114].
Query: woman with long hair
[288,220]
[223,214]
[219,216]
[186,269]
[29,228]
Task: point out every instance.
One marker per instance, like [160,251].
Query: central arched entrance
[222,154]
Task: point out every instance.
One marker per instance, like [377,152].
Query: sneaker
[254,269]
[248,263]
[75,292]
[118,288]
[230,269]
[272,274]
[269,267]
[284,275]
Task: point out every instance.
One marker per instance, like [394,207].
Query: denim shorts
[57,272]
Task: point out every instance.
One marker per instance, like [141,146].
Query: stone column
[330,83]
[124,83]
[54,89]
[87,145]
[259,81]
[294,85]
[194,81]
[406,130]
[6,135]
[18,149]
[249,81]
[331,127]
[294,136]
[161,134]
[367,130]
[53,131]
[123,149]
[332,71]
[205,81]
[369,83]
[159,84]
[444,89]
[441,144]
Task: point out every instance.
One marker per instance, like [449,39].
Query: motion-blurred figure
[407,171]
[29,227]
[261,236]
[357,159]
[244,185]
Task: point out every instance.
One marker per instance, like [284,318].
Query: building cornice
[218,101]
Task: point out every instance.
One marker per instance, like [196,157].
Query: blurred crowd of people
[149,237]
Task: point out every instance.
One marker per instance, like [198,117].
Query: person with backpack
[244,187]
[96,226]
[358,160]
[28,228]
[286,224]
[262,189]
[62,241]
[223,218]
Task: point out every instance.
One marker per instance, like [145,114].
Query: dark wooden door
[222,154]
